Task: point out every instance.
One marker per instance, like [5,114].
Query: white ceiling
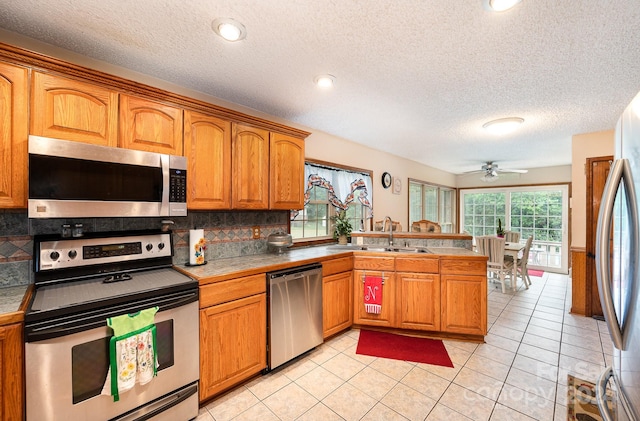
[415,78]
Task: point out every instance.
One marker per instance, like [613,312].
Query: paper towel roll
[196,247]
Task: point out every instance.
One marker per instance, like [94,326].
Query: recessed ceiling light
[499,5]
[503,126]
[325,81]
[229,29]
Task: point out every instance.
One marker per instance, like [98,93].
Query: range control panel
[77,252]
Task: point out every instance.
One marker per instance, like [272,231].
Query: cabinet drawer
[417,264]
[331,267]
[373,263]
[463,266]
[232,289]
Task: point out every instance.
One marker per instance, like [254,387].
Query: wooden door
[418,301]
[233,343]
[72,110]
[337,303]
[286,172]
[207,146]
[464,304]
[250,168]
[150,126]
[13,136]
[597,173]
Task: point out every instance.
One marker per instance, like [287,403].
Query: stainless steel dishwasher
[294,322]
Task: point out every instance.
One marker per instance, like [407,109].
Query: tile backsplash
[228,234]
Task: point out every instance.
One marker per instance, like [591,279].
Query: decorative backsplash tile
[228,234]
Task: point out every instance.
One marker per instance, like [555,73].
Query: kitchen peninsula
[436,291]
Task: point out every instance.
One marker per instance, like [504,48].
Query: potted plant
[500,230]
[341,227]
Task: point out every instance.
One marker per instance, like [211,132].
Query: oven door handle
[54,328]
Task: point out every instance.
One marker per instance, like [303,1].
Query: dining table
[513,249]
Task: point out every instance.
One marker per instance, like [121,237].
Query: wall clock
[386,180]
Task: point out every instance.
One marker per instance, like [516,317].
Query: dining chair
[512,236]
[482,245]
[425,225]
[498,268]
[522,263]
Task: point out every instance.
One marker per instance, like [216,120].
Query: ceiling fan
[490,171]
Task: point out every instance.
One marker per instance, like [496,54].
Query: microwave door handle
[164,206]
[603,269]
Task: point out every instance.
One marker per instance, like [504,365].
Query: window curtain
[344,186]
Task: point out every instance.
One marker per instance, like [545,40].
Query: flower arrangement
[341,226]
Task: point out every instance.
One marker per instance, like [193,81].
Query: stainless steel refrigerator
[618,270]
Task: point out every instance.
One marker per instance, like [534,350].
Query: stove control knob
[161,246]
[73,254]
[149,247]
[54,255]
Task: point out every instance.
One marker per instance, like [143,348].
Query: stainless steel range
[80,283]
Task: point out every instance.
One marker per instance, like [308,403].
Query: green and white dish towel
[132,352]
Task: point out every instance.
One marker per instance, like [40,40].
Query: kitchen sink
[376,248]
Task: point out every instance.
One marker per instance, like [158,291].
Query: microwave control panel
[178,186]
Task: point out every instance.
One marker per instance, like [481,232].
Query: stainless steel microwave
[72,179]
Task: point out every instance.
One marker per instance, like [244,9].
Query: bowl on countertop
[279,241]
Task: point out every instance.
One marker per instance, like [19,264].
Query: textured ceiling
[415,78]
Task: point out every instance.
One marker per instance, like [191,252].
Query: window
[432,202]
[538,211]
[331,189]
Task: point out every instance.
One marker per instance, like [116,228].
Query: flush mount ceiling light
[229,29]
[499,5]
[325,81]
[503,126]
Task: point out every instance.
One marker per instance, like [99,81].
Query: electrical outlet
[256,232]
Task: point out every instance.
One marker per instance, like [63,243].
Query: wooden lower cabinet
[233,334]
[464,304]
[386,317]
[11,373]
[418,301]
[337,295]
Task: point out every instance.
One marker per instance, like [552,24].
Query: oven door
[65,375]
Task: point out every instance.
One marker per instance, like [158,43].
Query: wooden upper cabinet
[286,172]
[72,110]
[207,146]
[150,126]
[13,136]
[250,167]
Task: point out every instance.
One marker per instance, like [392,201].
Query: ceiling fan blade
[511,170]
[474,172]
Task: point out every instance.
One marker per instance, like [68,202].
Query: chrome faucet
[384,228]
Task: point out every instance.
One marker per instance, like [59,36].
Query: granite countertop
[10,300]
[233,267]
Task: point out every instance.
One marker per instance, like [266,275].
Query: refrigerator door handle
[620,171]
[601,394]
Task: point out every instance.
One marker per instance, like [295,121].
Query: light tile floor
[520,373]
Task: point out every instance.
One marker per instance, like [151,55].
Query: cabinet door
[337,303]
[464,304]
[233,343]
[11,366]
[207,146]
[13,136]
[386,316]
[250,168]
[150,126]
[71,110]
[418,301]
[286,172]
